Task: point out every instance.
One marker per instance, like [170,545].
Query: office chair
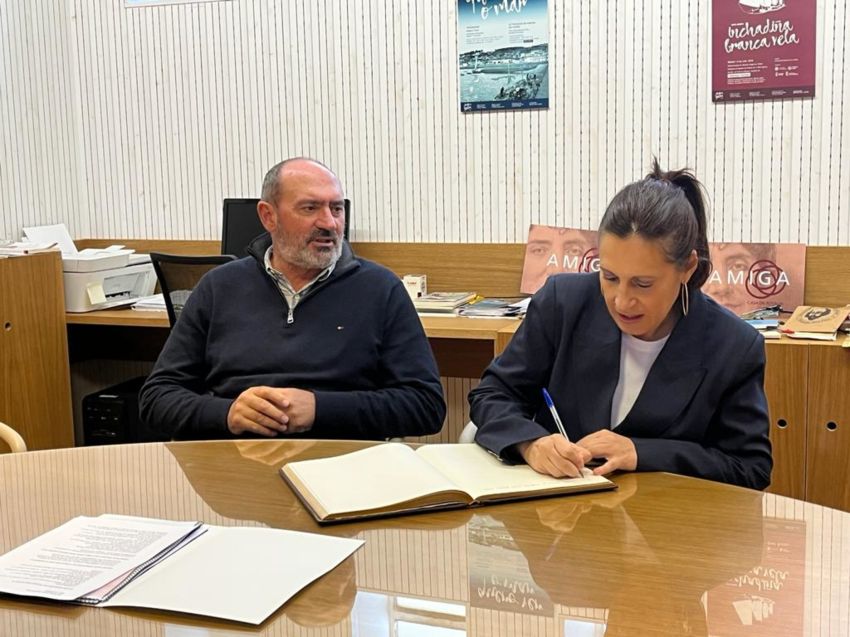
[12,438]
[179,274]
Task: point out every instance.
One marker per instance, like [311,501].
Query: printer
[100,281]
[97,279]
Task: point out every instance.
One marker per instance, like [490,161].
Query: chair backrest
[178,274]
[12,438]
[241,224]
[468,433]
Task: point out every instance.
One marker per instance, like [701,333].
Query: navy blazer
[701,412]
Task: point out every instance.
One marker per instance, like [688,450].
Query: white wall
[137,122]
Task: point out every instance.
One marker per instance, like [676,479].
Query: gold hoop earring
[686,300]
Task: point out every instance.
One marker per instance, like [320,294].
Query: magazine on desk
[393,478]
[442,302]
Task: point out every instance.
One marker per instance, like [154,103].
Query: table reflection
[661,555]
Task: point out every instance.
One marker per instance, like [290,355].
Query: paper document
[56,233]
[86,553]
[19,248]
[153,302]
[238,573]
[242,574]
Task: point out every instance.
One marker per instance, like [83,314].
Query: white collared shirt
[292,297]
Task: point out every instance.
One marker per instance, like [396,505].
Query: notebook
[393,478]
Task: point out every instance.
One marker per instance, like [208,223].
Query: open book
[393,478]
[238,573]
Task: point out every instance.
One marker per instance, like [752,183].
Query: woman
[646,372]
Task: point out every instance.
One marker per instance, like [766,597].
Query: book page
[481,474]
[84,554]
[238,573]
[372,478]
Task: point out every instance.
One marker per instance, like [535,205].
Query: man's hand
[554,455]
[618,451]
[268,411]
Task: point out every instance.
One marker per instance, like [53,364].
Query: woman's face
[640,285]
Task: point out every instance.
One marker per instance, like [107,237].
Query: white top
[636,359]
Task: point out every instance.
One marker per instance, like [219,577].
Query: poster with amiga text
[762,49]
[743,277]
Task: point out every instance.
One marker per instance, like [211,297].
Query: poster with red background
[762,49]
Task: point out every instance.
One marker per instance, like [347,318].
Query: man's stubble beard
[303,256]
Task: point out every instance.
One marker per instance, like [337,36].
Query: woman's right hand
[554,455]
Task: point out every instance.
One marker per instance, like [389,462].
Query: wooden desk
[463,346]
[806,384]
[639,559]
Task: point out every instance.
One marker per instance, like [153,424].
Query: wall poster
[744,276]
[762,49]
[503,54]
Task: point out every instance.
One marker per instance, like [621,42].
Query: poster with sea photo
[503,54]
[499,575]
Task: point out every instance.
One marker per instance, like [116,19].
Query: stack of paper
[154,302]
[442,302]
[496,308]
[73,260]
[238,573]
[19,248]
[769,327]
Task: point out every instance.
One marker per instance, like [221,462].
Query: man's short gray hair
[273,183]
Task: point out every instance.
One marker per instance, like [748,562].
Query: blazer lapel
[597,368]
[673,379]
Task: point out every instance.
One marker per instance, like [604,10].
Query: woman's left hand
[618,451]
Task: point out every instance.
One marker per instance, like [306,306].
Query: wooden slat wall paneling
[136,122]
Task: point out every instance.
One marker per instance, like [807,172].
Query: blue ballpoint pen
[554,413]
[557,419]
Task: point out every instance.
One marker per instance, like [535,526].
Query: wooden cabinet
[786,385]
[828,439]
[35,394]
[808,393]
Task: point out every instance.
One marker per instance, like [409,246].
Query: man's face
[553,250]
[307,222]
[732,262]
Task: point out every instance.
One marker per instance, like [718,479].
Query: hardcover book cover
[816,320]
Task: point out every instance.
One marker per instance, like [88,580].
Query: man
[301,338]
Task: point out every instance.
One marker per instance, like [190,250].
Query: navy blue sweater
[355,341]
